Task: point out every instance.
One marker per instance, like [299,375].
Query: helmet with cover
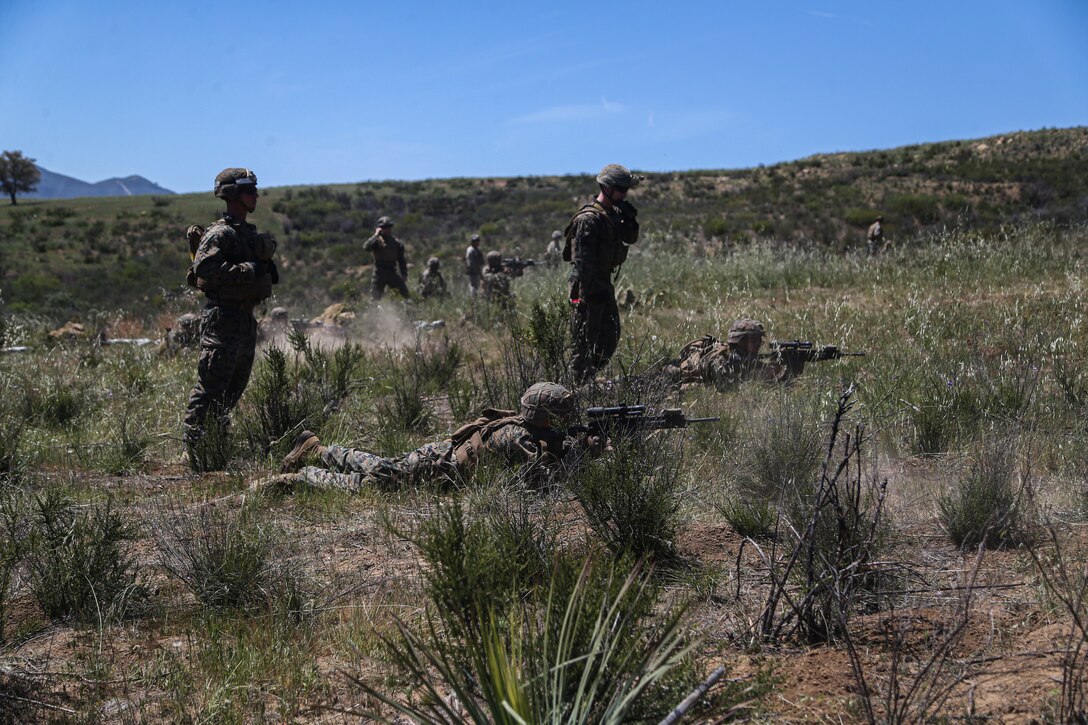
[433,263]
[615,175]
[547,404]
[230,183]
[494,259]
[745,328]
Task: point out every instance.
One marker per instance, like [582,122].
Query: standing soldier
[554,251]
[431,283]
[496,281]
[875,237]
[388,256]
[233,267]
[474,265]
[598,236]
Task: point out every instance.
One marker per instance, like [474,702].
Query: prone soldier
[726,365]
[534,437]
[388,257]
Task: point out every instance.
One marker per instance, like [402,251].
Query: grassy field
[893,537]
[80,259]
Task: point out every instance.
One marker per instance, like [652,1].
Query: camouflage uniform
[875,235]
[474,267]
[598,239]
[388,257]
[529,438]
[554,251]
[431,283]
[233,267]
[709,360]
[184,333]
[496,282]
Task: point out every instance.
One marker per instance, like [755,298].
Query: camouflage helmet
[278,313]
[616,175]
[494,258]
[475,238]
[229,183]
[433,263]
[557,234]
[189,321]
[384,221]
[546,403]
[744,328]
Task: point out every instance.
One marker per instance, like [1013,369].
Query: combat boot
[307,449]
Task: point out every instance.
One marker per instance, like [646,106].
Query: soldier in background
[726,365]
[388,257]
[185,333]
[534,437]
[233,267]
[496,281]
[474,265]
[554,251]
[875,235]
[599,234]
[431,283]
[276,323]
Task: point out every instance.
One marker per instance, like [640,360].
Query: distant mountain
[59,186]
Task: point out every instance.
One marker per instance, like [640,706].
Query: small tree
[18,174]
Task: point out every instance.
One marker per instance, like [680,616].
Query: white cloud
[576,112]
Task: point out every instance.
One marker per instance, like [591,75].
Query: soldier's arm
[401,261]
[368,245]
[587,255]
[213,260]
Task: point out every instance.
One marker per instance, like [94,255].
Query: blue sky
[349,91]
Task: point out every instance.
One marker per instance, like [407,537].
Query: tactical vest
[697,356]
[471,440]
[385,252]
[614,235]
[247,294]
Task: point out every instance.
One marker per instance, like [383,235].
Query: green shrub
[631,498]
[226,559]
[585,648]
[752,519]
[780,465]
[78,564]
[56,402]
[984,507]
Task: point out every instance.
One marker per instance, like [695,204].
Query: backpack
[470,439]
[568,233]
[193,235]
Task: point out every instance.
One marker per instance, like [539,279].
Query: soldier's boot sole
[306,444]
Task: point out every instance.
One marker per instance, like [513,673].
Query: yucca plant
[586,650]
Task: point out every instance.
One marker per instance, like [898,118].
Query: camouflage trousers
[228,341]
[350,469]
[595,333]
[474,284]
[385,277]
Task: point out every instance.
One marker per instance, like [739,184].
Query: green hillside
[62,259]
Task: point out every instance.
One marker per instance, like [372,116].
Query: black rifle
[807,351]
[624,419]
[516,264]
